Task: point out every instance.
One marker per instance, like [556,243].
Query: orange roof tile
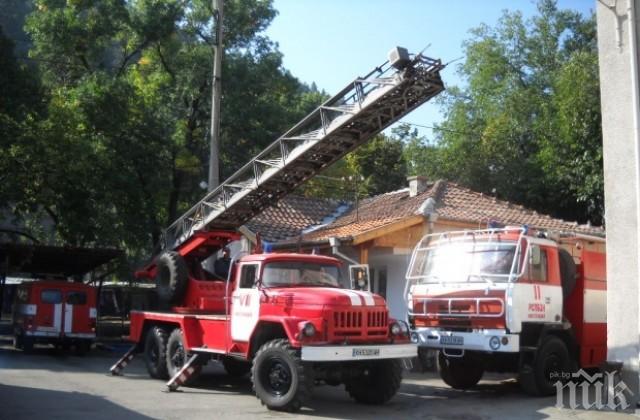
[452,202]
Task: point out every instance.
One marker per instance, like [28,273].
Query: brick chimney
[417,185]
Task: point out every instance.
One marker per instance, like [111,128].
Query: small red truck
[56,312]
[509,300]
[283,317]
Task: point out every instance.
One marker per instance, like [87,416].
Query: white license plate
[452,340]
[365,352]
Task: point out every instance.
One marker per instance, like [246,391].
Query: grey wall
[621,188]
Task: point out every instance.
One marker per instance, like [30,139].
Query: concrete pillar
[622,194]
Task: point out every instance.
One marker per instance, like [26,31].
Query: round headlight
[396,329]
[404,327]
[309,329]
[494,343]
[414,338]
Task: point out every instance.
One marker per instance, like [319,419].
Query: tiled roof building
[449,201]
[292,215]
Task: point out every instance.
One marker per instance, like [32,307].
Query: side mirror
[535,255]
[359,277]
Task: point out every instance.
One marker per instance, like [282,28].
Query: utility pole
[214,150]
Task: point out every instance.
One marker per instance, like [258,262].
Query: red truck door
[49,314]
[78,307]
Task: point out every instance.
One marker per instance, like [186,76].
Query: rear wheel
[177,357]
[460,372]
[378,383]
[235,367]
[550,365]
[279,377]
[82,347]
[155,353]
[27,344]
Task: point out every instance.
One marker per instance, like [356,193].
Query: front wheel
[460,372]
[378,382]
[155,353]
[177,357]
[550,365]
[18,341]
[279,378]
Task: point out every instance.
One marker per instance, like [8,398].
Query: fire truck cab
[509,300]
[56,312]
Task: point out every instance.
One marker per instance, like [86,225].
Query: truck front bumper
[481,340]
[355,353]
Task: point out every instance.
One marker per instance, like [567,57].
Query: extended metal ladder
[358,112]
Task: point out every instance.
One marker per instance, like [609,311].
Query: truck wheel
[567,272]
[234,367]
[155,353]
[378,383]
[27,344]
[460,373]
[550,365]
[82,347]
[171,277]
[18,342]
[279,377]
[177,357]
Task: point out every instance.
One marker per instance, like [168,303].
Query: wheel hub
[278,377]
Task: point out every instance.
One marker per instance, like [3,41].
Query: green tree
[525,124]
[122,143]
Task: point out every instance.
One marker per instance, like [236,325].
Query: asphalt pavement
[51,385]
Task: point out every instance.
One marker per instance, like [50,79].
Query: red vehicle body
[509,300]
[282,316]
[56,312]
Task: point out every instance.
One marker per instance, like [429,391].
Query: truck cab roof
[269,257]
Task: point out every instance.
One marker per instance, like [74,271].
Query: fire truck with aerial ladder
[283,317]
[509,300]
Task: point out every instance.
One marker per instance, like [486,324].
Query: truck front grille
[360,323]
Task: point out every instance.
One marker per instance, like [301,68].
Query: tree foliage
[121,143]
[526,123]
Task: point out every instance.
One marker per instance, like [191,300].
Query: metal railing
[358,112]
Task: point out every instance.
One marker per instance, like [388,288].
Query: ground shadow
[32,403]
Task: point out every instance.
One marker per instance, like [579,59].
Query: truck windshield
[464,262]
[299,273]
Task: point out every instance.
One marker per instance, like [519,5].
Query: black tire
[172,277]
[550,365]
[567,272]
[18,342]
[378,384]
[27,344]
[236,368]
[280,379]
[82,347]
[460,372]
[178,357]
[155,353]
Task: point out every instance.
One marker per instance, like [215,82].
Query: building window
[381,282]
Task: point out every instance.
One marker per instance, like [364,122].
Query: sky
[331,42]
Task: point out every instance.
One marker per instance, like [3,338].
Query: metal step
[361,110]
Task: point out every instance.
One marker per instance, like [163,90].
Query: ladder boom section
[364,108]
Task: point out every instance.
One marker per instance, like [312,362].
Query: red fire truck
[509,300]
[56,312]
[283,317]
